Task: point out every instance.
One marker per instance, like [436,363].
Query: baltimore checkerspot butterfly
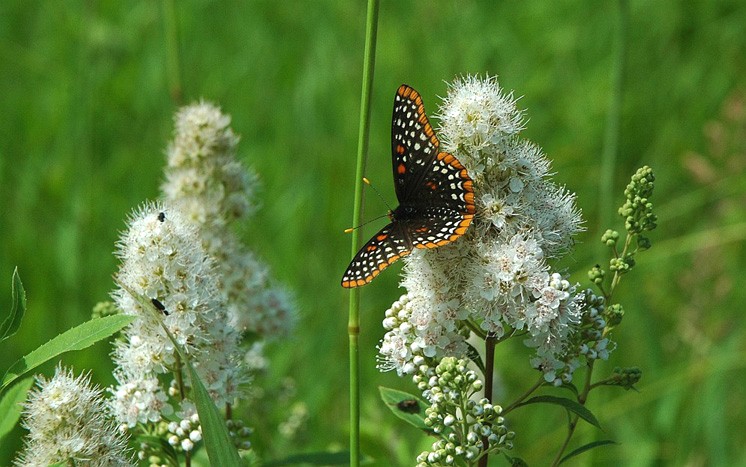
[435,193]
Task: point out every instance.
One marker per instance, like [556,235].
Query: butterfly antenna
[367,182]
[364,223]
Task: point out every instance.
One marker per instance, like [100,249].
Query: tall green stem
[613,117]
[173,66]
[353,323]
[606,188]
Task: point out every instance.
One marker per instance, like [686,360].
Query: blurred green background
[86,113]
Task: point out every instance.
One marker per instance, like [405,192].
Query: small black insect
[162,216]
[409,406]
[159,306]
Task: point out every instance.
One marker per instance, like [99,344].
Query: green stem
[611,135]
[479,332]
[353,323]
[489,376]
[617,275]
[179,374]
[173,66]
[524,396]
[582,398]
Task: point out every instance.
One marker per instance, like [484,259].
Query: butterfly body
[435,193]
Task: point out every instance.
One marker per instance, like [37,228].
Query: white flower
[495,210]
[476,113]
[69,423]
[498,274]
[163,260]
[213,189]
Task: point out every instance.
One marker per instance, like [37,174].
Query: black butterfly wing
[435,226]
[385,247]
[424,176]
[413,142]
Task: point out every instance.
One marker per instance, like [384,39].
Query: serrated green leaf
[568,404]
[587,447]
[77,338]
[313,458]
[12,322]
[10,405]
[403,405]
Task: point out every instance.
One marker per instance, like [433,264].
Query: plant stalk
[173,64]
[489,375]
[353,323]
[539,383]
[613,117]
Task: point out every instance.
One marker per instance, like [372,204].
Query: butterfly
[435,193]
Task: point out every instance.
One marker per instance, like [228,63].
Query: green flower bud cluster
[589,341]
[596,275]
[151,449]
[638,210]
[239,433]
[613,315]
[621,265]
[461,422]
[610,238]
[625,377]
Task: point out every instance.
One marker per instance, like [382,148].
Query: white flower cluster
[415,330]
[585,343]
[497,276]
[69,424]
[213,189]
[476,115]
[163,261]
[203,174]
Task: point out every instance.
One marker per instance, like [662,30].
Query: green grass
[85,114]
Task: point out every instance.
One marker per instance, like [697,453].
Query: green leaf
[571,387]
[568,404]
[473,354]
[587,447]
[218,443]
[10,405]
[17,308]
[313,458]
[77,338]
[406,406]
